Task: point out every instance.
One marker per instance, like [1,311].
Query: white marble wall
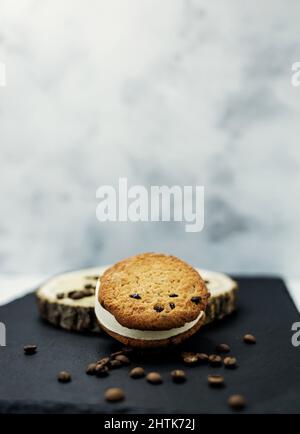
[160,91]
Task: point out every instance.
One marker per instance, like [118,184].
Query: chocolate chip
[202,358]
[60,296]
[30,349]
[123,359]
[137,372]
[230,362]
[249,339]
[223,348]
[237,402]
[114,364]
[173,295]
[215,380]
[64,377]
[136,296]
[191,359]
[114,394]
[215,360]
[158,308]
[91,369]
[92,277]
[196,299]
[206,281]
[101,370]
[172,305]
[154,378]
[76,295]
[178,376]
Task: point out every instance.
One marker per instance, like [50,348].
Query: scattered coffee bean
[230,362]
[136,296]
[88,292]
[91,369]
[60,296]
[89,286]
[237,402]
[154,378]
[115,364]
[215,380]
[249,339]
[196,300]
[172,305]
[158,308]
[123,359]
[223,348]
[137,372]
[178,376]
[64,377]
[173,295]
[104,361]
[191,359]
[30,349]
[114,394]
[92,277]
[215,360]
[101,371]
[76,295]
[202,358]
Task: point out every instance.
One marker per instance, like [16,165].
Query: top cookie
[153,291]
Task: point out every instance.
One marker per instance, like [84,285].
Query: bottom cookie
[155,343]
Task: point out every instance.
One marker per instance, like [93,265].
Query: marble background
[162,92]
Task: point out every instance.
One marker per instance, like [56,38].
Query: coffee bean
[88,292]
[187,353]
[202,358]
[101,371]
[60,296]
[178,376]
[123,359]
[92,277]
[89,286]
[104,361]
[173,295]
[137,372]
[114,364]
[114,394]
[30,349]
[230,362]
[136,296]
[91,369]
[154,378]
[64,377]
[215,380]
[196,300]
[76,295]
[223,348]
[249,339]
[158,308]
[215,360]
[191,360]
[172,305]
[237,402]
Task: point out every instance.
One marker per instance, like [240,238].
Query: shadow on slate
[268,373]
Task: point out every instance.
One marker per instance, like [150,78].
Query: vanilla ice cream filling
[109,322]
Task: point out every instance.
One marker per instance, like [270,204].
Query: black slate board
[268,375]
